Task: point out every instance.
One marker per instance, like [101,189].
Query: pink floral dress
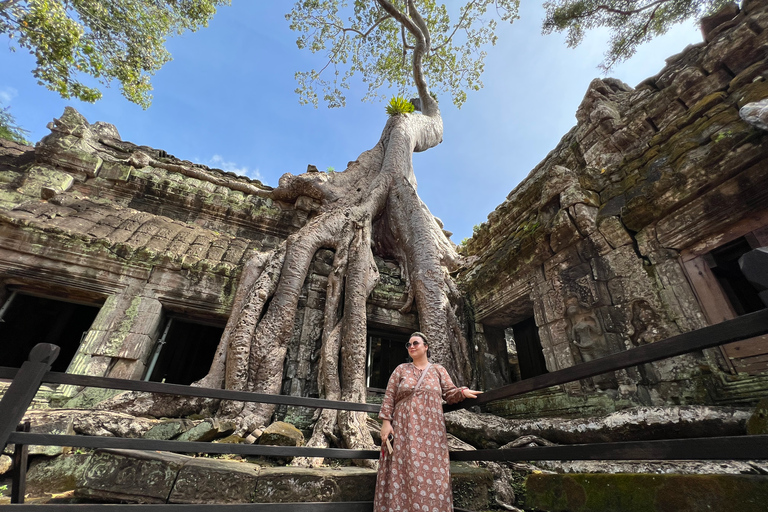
[417,475]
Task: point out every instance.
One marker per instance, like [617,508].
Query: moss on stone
[758,422]
[646,492]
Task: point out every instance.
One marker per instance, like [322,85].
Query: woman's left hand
[470,393]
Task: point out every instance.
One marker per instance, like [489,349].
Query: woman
[416,474]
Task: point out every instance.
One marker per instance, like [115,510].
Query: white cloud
[7,94]
[218,162]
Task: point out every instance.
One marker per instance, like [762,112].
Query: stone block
[471,486]
[564,355]
[56,474]
[114,171]
[208,430]
[215,481]
[130,475]
[276,485]
[129,369]
[40,176]
[585,492]
[6,464]
[281,433]
[74,159]
[168,429]
[135,346]
[757,424]
[564,232]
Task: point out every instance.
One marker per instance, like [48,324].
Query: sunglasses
[415,344]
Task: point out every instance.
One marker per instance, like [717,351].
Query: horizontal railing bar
[348,506]
[182,390]
[707,448]
[187,446]
[701,448]
[746,326]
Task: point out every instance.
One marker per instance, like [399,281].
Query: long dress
[417,475]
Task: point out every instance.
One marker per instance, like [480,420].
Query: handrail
[188,446]
[753,447]
[182,390]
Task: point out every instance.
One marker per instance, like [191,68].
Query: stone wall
[603,242]
[89,218]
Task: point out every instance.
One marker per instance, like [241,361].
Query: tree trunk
[380,185]
[373,202]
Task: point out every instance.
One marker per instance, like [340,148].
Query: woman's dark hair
[421,335]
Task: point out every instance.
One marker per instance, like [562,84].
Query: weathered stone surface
[166,430]
[471,486]
[633,424]
[677,467]
[640,493]
[130,475]
[758,421]
[208,430]
[91,423]
[756,114]
[215,481]
[6,464]
[55,474]
[281,433]
[155,477]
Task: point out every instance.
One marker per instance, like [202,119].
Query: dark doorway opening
[386,350]
[529,354]
[184,352]
[724,263]
[28,320]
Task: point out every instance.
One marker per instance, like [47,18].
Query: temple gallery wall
[627,233]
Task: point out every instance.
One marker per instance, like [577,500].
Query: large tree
[370,207]
[79,41]
[631,22]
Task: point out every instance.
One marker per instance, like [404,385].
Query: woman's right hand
[386,430]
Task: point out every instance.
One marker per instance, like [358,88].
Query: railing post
[19,483]
[22,390]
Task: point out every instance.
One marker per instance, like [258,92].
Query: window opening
[27,320]
[385,352]
[724,263]
[184,352]
[530,357]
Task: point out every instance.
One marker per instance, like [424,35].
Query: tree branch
[455,29]
[655,5]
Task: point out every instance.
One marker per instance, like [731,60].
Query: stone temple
[627,233]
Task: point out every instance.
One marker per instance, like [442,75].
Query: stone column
[120,339]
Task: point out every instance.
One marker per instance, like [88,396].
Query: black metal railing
[28,378]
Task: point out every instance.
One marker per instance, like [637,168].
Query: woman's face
[418,348]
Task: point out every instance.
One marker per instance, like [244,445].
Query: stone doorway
[530,356]
[724,293]
[386,350]
[31,319]
[184,352]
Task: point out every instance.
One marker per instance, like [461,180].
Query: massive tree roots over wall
[372,205]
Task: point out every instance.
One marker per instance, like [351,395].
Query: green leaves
[360,39]
[631,22]
[9,129]
[106,40]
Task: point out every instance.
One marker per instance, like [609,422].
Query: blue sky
[227,100]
